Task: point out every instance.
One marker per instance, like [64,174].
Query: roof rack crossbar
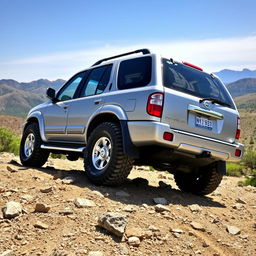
[143,51]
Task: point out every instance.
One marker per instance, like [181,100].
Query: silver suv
[138,109]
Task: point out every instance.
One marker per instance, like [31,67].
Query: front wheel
[105,162]
[31,153]
[200,183]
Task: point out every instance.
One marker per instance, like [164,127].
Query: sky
[57,38]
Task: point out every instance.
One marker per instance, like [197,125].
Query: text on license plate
[204,123]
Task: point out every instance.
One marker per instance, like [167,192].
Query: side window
[97,81]
[134,73]
[69,90]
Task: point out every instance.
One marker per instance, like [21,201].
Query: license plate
[204,123]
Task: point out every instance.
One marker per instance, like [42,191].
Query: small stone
[240,201]
[195,208]
[68,180]
[97,194]
[205,244]
[41,225]
[233,230]
[113,222]
[134,241]
[42,208]
[83,203]
[161,208]
[129,208]
[160,200]
[12,209]
[95,253]
[153,228]
[8,253]
[27,198]
[10,169]
[179,231]
[46,190]
[66,211]
[18,237]
[197,226]
[122,193]
[133,231]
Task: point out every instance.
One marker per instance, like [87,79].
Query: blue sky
[54,39]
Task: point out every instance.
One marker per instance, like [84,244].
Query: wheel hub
[29,145]
[101,153]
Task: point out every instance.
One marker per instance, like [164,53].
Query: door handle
[96,102]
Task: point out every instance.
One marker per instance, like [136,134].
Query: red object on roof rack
[192,65]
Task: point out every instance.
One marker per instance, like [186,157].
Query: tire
[31,153]
[202,183]
[105,162]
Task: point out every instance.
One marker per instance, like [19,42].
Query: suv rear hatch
[197,102]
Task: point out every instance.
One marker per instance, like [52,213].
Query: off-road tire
[39,156]
[202,183]
[119,165]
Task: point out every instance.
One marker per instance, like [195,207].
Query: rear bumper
[145,133]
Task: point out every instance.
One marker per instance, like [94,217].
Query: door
[55,114]
[90,99]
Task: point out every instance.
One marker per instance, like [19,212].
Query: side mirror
[51,94]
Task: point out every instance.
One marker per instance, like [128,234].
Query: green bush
[249,159]
[9,142]
[251,180]
[234,169]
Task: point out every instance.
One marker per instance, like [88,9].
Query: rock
[153,228]
[233,230]
[66,211]
[195,208]
[42,208]
[12,209]
[113,222]
[238,206]
[240,201]
[46,190]
[68,180]
[179,231]
[61,253]
[97,194]
[160,200]
[95,253]
[41,225]
[161,208]
[129,208]
[205,244]
[8,253]
[122,193]
[83,203]
[10,169]
[133,231]
[27,198]
[197,226]
[134,241]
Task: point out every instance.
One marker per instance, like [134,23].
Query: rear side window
[194,82]
[97,81]
[134,73]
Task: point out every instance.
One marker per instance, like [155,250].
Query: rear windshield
[194,82]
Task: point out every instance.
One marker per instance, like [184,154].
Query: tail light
[238,129]
[155,104]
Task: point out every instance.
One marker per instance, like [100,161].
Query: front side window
[134,73]
[97,81]
[70,88]
[194,82]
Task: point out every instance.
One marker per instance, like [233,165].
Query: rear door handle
[96,102]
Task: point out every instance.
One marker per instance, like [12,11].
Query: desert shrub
[234,169]
[250,180]
[8,141]
[249,159]
[57,156]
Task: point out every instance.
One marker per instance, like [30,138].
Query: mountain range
[17,99]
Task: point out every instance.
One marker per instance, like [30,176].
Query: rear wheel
[201,183]
[105,162]
[31,153]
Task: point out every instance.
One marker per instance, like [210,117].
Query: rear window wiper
[215,101]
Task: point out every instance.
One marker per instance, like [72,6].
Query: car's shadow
[138,189]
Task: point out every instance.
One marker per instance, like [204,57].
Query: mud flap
[221,167]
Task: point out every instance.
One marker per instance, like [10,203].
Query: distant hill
[247,101]
[17,99]
[229,76]
[242,87]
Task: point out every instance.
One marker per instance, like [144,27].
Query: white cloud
[211,54]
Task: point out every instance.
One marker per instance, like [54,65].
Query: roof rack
[144,51]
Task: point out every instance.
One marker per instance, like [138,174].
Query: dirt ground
[68,230]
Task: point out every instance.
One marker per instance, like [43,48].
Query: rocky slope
[56,211]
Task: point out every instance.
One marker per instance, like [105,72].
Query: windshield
[194,82]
